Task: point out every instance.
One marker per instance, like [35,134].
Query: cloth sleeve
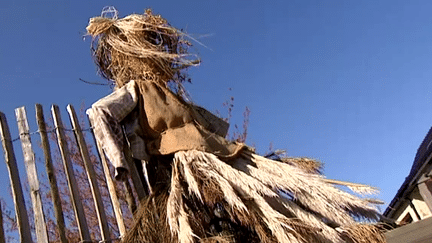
[106,115]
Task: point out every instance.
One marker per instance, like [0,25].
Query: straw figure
[202,187]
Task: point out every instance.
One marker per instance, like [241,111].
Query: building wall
[417,232]
[405,210]
[420,205]
[402,214]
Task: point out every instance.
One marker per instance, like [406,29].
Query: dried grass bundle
[139,47]
[149,224]
[315,167]
[218,239]
[310,190]
[355,187]
[363,233]
[265,201]
[308,165]
[250,191]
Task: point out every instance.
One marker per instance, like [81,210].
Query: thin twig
[94,83]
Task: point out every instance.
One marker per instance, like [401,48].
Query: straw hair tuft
[139,47]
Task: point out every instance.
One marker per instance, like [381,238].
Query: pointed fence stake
[91,174]
[134,175]
[2,235]
[55,195]
[17,194]
[111,186]
[73,186]
[30,164]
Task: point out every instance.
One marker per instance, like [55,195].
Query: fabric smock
[156,122]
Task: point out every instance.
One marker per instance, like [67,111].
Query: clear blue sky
[344,82]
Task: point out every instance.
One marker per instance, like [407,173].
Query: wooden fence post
[18,197]
[103,224]
[133,173]
[2,236]
[73,187]
[111,186]
[30,164]
[55,195]
[130,199]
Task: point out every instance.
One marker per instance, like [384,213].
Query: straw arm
[345,183]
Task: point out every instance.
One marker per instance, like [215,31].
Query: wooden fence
[29,163]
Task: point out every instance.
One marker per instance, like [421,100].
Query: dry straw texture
[139,47]
[363,233]
[266,200]
[308,165]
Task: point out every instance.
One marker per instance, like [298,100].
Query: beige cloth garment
[156,122]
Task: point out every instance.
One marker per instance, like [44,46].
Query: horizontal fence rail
[39,225]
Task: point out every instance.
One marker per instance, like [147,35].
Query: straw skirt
[249,199]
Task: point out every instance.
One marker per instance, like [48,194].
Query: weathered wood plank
[17,194]
[55,195]
[73,186]
[91,174]
[32,177]
[130,199]
[111,186]
[133,172]
[2,235]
